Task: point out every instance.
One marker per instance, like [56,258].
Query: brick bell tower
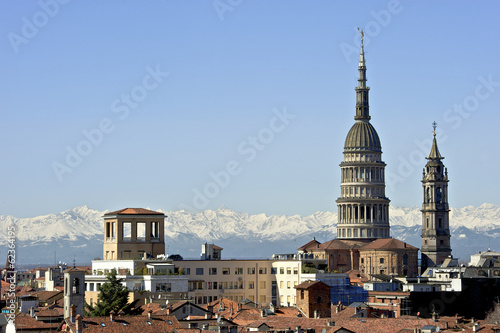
[435,210]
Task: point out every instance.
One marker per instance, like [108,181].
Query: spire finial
[434,125]
[362,34]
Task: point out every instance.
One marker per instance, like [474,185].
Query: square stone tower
[133,233]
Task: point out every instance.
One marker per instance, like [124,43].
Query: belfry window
[439,195]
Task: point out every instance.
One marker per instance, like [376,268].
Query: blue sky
[194,105]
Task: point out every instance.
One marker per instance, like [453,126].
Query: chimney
[210,308]
[150,313]
[316,314]
[434,316]
[72,313]
[79,324]
[446,325]
[169,310]
[299,329]
[208,315]
[32,312]
[262,313]
[112,315]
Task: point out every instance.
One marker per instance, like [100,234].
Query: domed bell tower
[435,210]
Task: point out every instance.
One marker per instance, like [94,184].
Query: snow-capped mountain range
[78,233]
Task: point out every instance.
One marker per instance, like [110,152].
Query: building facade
[363,208]
[436,245]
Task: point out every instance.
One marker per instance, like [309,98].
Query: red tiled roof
[24,322]
[388,244]
[44,295]
[215,247]
[308,284]
[134,211]
[133,324]
[357,277]
[314,243]
[342,244]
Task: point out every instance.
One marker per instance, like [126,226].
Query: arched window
[439,195]
[428,195]
[76,286]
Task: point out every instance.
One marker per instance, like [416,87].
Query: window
[362,260]
[405,259]
[282,270]
[226,271]
[238,270]
[263,270]
[281,284]
[251,285]
[274,270]
[440,221]
[295,270]
[302,294]
[212,271]
[288,284]
[215,285]
[155,230]
[381,260]
[288,270]
[163,287]
[262,284]
[441,241]
[127,231]
[187,271]
[199,271]
[251,270]
[141,231]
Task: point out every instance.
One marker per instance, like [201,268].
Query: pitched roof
[314,243]
[45,295]
[342,244]
[308,284]
[24,322]
[388,244]
[134,211]
[157,324]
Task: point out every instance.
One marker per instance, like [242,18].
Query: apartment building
[260,281]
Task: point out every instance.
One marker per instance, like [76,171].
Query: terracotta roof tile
[134,324]
[308,284]
[388,244]
[342,244]
[25,322]
[314,244]
[134,211]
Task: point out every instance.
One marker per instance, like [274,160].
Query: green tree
[112,296]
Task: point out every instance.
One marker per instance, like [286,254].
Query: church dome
[362,136]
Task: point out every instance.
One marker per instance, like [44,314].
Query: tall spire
[434,154]
[362,107]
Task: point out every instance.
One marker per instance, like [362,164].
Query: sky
[245,104]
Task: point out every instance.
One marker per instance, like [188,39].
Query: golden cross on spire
[434,125]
